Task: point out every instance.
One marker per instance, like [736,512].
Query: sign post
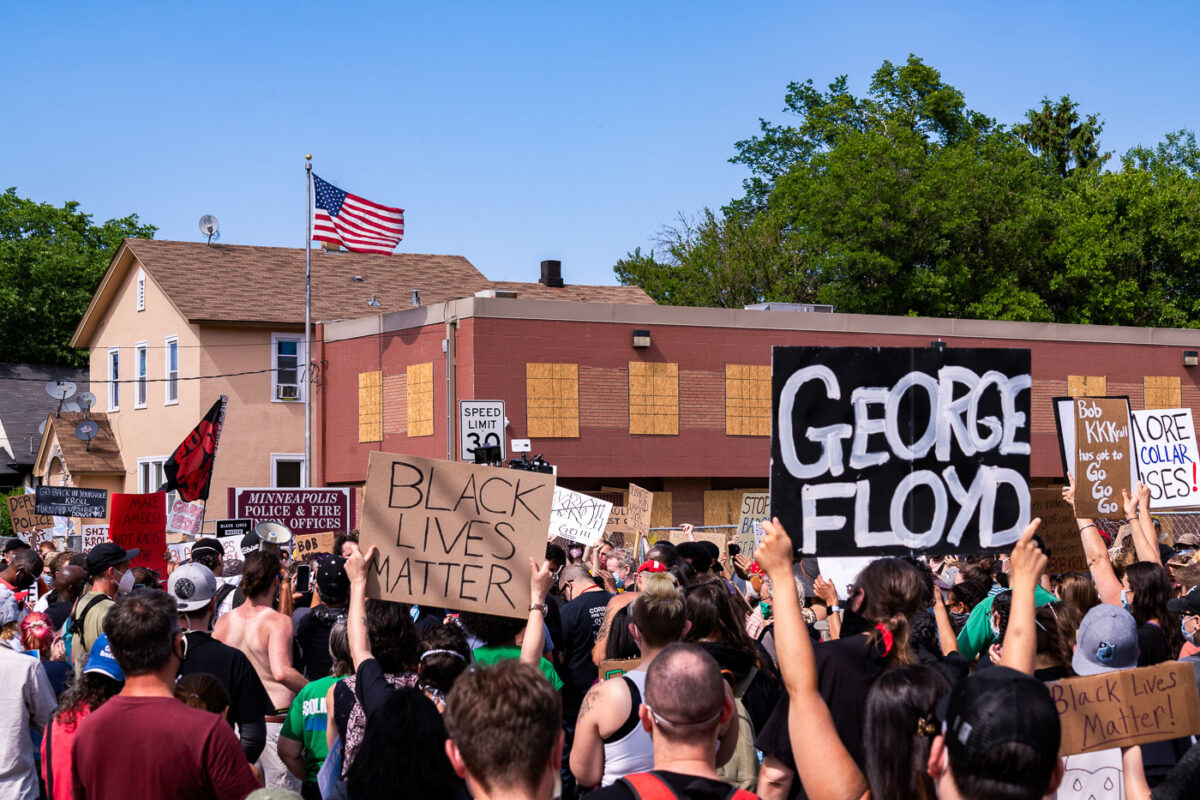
[480,424]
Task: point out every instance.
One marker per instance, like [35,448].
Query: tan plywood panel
[552,401]
[1162,392]
[653,398]
[747,400]
[370,406]
[420,399]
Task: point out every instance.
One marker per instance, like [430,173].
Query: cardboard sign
[140,520]
[890,451]
[187,518]
[454,535]
[311,510]
[639,507]
[1064,422]
[1058,530]
[1164,442]
[1132,706]
[71,501]
[311,543]
[756,506]
[24,517]
[578,517]
[616,667]
[1103,456]
[94,535]
[232,545]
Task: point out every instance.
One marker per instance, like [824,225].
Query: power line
[167,380]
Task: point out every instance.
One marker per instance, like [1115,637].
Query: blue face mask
[995,629]
[1124,601]
[620,582]
[1193,637]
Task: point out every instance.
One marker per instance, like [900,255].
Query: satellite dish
[210,227]
[86,400]
[60,390]
[273,532]
[73,407]
[86,431]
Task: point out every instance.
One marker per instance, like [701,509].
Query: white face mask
[125,586]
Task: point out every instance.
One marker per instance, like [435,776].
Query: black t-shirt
[686,787]
[248,699]
[1152,646]
[310,640]
[58,611]
[581,620]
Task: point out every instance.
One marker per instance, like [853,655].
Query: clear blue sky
[512,132]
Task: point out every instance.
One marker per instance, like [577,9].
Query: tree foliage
[51,261]
[906,201]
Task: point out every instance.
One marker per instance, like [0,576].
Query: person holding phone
[312,626]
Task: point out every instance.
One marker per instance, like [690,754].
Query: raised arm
[1144,543]
[1147,523]
[1107,585]
[1020,638]
[825,768]
[539,586]
[356,614]
[946,637]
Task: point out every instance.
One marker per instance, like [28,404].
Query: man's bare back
[262,632]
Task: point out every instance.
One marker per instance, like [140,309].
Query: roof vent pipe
[552,274]
[416,298]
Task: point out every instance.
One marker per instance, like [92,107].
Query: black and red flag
[189,470]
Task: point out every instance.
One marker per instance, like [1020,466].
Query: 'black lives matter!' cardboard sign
[886,451]
[454,535]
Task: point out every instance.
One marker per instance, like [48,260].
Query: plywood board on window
[420,399]
[552,401]
[1162,392]
[1087,386]
[653,398]
[661,512]
[747,400]
[370,406]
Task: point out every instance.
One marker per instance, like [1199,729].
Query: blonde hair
[660,611]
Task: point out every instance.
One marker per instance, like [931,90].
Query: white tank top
[629,749]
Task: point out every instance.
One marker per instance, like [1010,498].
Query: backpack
[74,624]
[648,786]
[741,771]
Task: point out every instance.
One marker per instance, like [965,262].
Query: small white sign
[94,535]
[480,424]
[522,446]
[185,518]
[233,547]
[578,517]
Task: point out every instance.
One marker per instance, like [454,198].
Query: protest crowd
[695,673]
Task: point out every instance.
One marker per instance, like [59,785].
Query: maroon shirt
[158,747]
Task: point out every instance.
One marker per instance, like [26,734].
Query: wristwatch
[836,609]
[538,607]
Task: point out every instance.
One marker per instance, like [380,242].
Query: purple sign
[313,510]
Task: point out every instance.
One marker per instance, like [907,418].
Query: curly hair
[393,637]
[439,670]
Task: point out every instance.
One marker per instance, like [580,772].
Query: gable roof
[101,456]
[244,284]
[24,405]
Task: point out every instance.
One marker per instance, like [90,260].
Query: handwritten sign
[186,518]
[639,507]
[1164,442]
[94,535]
[1128,707]
[140,520]
[756,506]
[1058,530]
[180,552]
[890,451]
[71,501]
[616,667]
[577,517]
[1103,455]
[232,546]
[311,543]
[453,535]
[24,518]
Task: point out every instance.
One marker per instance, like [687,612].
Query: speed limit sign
[480,424]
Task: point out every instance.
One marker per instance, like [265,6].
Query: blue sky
[512,132]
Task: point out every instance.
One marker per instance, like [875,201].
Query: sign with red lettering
[186,518]
[453,535]
[140,520]
[313,510]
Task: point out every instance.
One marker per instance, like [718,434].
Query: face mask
[766,609]
[995,629]
[125,585]
[620,583]
[1124,602]
[1193,637]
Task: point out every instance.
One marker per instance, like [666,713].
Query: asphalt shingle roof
[24,405]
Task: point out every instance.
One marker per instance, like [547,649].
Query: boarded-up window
[747,400]
[370,406]
[662,513]
[420,399]
[552,401]
[1162,392]
[1087,386]
[653,398]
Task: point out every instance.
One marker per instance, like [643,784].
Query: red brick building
[687,416]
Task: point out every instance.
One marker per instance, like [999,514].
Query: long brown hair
[893,592]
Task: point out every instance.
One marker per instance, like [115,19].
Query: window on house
[114,374]
[141,290]
[140,364]
[172,363]
[287,361]
[151,477]
[287,470]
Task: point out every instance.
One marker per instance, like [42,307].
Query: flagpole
[307,320]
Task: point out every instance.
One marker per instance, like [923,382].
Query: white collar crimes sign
[888,451]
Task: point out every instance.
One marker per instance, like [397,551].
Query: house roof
[101,456]
[24,405]
[243,284]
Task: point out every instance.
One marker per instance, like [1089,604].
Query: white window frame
[172,378]
[276,458]
[114,388]
[160,462]
[141,290]
[301,365]
[141,374]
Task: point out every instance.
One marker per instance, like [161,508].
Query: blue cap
[101,660]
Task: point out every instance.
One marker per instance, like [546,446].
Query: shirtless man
[265,636]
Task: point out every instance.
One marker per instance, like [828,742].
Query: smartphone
[303,578]
[734,549]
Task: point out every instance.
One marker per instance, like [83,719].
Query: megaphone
[273,532]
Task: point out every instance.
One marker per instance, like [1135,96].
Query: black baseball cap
[332,582]
[1189,604]
[13,543]
[209,544]
[251,542]
[108,554]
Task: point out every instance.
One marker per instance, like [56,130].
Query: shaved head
[69,581]
[573,573]
[684,686]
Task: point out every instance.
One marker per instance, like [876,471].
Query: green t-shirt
[306,723]
[489,655]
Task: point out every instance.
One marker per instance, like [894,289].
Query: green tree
[51,261]
[1066,143]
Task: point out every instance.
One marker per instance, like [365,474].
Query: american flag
[354,222]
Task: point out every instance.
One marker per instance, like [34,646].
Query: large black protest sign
[884,451]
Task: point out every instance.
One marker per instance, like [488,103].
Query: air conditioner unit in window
[286,392]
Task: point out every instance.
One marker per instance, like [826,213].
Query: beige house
[174,325]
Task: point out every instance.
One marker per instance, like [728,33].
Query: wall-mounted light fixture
[641,337]
[1191,358]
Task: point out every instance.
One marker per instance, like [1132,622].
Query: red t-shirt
[60,736]
[158,747]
